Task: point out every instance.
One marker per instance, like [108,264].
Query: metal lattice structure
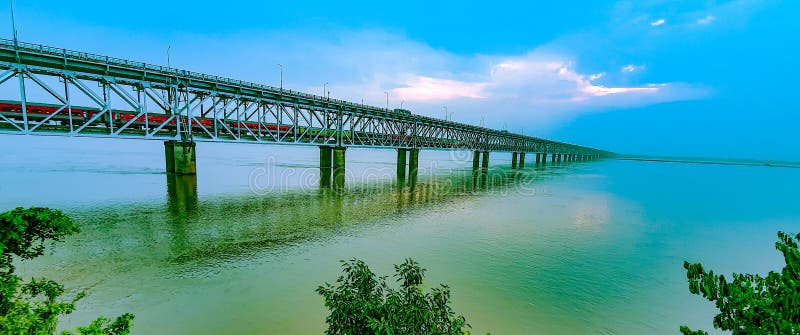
[136,100]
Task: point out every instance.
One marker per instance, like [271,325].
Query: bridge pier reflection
[181,193]
[413,167]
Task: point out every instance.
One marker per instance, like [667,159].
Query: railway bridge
[55,91]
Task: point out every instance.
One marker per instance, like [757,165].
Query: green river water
[582,248]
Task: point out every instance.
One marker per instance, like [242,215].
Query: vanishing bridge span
[54,91]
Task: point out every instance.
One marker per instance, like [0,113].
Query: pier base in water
[325,166]
[180,157]
[338,167]
[521,160]
[513,160]
[413,167]
[401,167]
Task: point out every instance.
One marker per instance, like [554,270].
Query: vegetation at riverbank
[34,307]
[751,304]
[363,303]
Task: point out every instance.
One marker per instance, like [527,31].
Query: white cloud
[630,68]
[658,22]
[706,20]
[532,78]
[597,76]
[536,89]
[422,88]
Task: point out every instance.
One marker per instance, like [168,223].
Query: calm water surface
[588,248]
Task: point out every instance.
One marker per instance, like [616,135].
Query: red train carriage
[38,112]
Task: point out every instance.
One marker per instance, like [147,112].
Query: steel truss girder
[178,111]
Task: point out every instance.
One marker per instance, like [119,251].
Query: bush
[34,307]
[362,303]
[751,304]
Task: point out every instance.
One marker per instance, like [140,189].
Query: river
[582,248]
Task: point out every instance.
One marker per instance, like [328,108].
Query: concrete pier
[476,166]
[325,166]
[552,158]
[513,160]
[401,167]
[521,160]
[485,162]
[338,167]
[180,157]
[413,167]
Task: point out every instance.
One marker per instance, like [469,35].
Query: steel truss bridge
[94,95]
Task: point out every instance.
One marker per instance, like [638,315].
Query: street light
[13,23]
[168,60]
[324,89]
[401,103]
[281,66]
[387,100]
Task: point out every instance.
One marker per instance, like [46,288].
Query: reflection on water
[206,229]
[181,193]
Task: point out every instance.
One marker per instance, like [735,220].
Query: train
[78,115]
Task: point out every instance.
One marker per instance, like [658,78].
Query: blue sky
[699,78]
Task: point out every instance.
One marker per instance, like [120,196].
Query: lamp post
[281,67]
[401,103]
[324,89]
[168,60]
[387,100]
[13,23]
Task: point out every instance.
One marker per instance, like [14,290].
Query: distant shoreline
[669,160]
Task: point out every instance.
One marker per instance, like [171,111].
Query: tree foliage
[363,303]
[33,307]
[751,304]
